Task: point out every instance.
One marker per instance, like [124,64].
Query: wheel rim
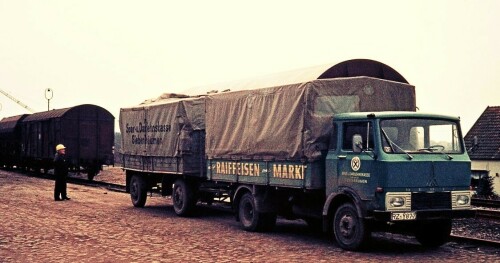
[248,211]
[178,200]
[134,190]
[347,226]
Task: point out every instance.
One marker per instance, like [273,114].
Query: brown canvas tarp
[161,127]
[293,122]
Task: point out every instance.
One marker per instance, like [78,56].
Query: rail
[109,186]
[493,203]
[472,240]
[488,214]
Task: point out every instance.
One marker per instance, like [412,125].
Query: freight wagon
[344,151]
[86,130]
[10,141]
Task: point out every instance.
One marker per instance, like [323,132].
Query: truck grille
[426,201]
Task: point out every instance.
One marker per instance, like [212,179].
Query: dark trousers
[60,188]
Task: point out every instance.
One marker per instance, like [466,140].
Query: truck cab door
[353,165]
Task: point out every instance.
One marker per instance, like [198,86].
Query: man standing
[60,172]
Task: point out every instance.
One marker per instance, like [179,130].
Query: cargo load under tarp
[175,133]
[164,135]
[293,122]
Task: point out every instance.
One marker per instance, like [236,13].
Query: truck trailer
[345,151]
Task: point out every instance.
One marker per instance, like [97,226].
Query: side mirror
[357,143]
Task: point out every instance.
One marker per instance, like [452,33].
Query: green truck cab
[401,171]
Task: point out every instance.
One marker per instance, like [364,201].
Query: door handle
[342,156]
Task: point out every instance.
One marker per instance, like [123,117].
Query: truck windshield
[423,136]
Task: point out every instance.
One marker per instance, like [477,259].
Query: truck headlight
[398,201]
[463,200]
[460,199]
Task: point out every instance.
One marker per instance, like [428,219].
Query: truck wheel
[349,230]
[138,191]
[183,198]
[250,219]
[433,234]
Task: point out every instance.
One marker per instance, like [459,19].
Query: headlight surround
[460,199]
[398,201]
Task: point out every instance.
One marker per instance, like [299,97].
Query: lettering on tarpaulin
[143,128]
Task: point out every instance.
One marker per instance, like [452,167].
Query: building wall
[494,171]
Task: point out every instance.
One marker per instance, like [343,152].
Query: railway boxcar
[86,130]
[10,141]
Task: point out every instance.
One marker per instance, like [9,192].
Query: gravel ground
[488,229]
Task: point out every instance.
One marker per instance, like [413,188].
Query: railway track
[486,202]
[475,241]
[488,214]
[79,181]
[109,186]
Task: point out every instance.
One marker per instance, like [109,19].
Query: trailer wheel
[349,230]
[250,219]
[433,234]
[138,191]
[183,198]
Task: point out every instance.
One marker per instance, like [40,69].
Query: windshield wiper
[391,144]
[435,148]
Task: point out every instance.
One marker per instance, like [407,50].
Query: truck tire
[350,231]
[433,234]
[138,191]
[183,198]
[250,219]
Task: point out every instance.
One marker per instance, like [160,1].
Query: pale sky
[119,53]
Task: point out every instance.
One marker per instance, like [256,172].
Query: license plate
[403,216]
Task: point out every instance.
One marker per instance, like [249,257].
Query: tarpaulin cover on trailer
[161,127]
[293,122]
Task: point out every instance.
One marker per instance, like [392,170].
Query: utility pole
[17,101]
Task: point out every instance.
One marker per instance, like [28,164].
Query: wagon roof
[45,115]
[8,124]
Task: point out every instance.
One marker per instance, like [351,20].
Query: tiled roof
[487,130]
